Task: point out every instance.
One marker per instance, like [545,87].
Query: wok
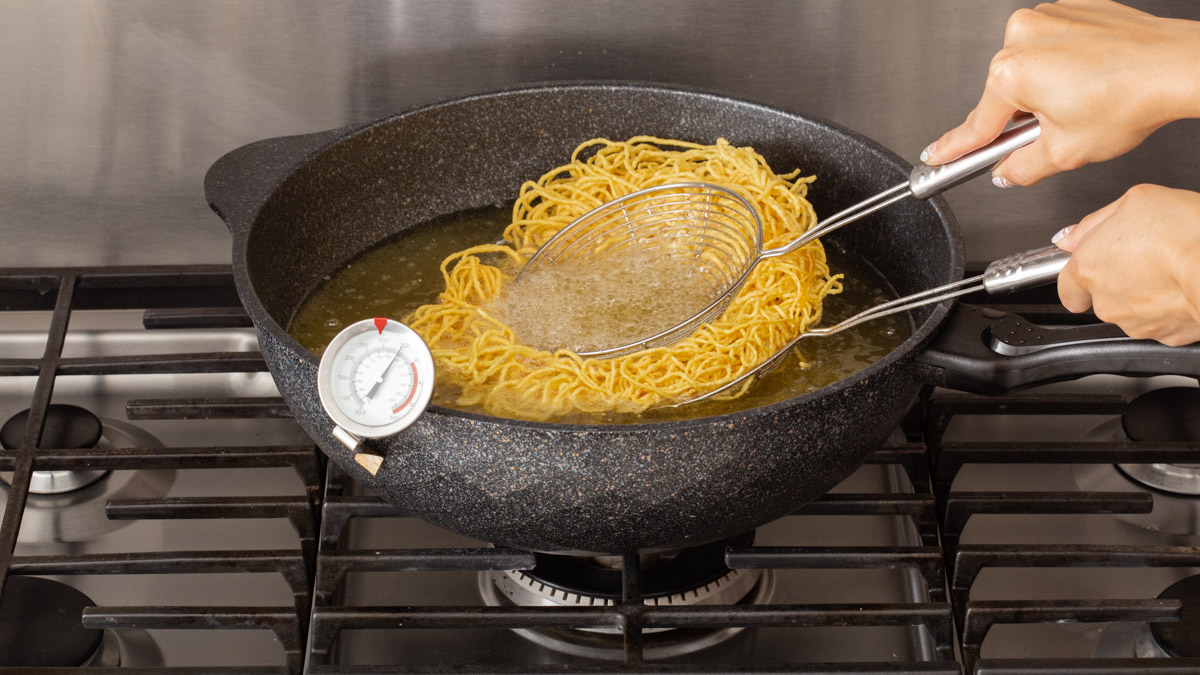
[299,207]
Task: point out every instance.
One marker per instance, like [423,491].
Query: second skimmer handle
[1024,270]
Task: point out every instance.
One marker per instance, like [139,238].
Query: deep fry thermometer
[375,379]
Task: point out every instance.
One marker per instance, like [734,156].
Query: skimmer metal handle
[925,181]
[1022,270]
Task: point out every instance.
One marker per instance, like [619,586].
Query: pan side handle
[239,182]
[987,351]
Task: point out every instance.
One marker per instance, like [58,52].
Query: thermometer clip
[367,460]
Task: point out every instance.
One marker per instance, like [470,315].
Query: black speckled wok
[299,207]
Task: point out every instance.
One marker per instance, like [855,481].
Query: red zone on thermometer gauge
[375,379]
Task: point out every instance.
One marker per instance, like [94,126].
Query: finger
[982,125]
[1070,236]
[1063,239]
[1024,166]
[1071,292]
[1093,220]
[1032,163]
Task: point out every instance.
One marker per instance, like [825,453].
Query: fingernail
[928,151]
[1060,234]
[1001,182]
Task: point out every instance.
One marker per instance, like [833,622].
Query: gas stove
[158,491]
[196,529]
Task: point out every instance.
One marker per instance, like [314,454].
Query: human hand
[1137,263]
[1099,76]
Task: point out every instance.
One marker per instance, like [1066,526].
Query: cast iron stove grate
[1066,508]
[628,615]
[966,562]
[162,293]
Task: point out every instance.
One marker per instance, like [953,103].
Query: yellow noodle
[782,297]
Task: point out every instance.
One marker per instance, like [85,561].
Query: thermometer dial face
[375,378]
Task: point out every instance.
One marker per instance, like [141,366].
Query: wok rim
[921,335]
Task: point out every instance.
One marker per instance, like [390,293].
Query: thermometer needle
[379,380]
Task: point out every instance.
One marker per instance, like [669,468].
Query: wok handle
[926,181]
[1015,353]
[239,182]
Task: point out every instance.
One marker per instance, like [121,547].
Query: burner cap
[1164,415]
[1181,639]
[40,624]
[67,426]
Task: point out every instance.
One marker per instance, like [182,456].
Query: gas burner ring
[1145,646]
[1152,417]
[1179,479]
[1169,414]
[1181,638]
[686,577]
[526,590]
[79,515]
[608,644]
[64,426]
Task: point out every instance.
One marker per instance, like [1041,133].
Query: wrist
[1183,95]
